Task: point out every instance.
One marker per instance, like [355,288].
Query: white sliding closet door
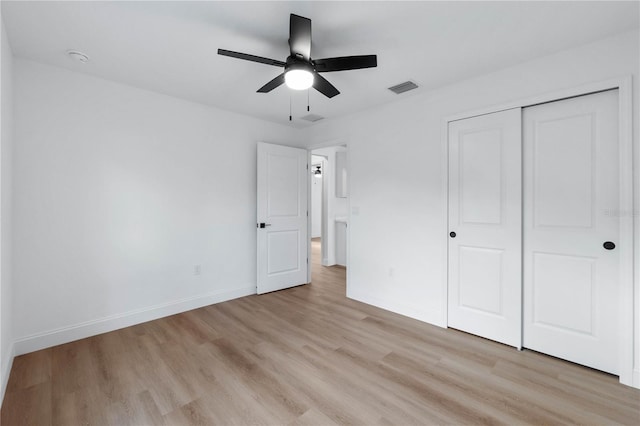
[485,223]
[571,184]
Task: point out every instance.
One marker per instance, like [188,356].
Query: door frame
[626,302]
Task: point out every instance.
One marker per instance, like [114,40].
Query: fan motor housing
[294,63]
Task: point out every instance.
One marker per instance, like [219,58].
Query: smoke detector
[78,56]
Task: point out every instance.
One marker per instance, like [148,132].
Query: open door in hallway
[282,217]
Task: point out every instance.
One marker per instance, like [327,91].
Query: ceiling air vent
[403,87]
[312,117]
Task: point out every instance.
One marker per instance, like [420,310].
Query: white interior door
[282,217]
[571,183]
[485,219]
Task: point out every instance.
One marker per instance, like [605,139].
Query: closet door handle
[609,245]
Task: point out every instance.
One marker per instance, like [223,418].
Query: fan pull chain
[308,101]
[289,106]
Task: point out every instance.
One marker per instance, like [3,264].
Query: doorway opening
[328,214]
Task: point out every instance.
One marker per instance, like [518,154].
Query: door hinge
[307,166]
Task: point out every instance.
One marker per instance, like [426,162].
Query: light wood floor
[306,355]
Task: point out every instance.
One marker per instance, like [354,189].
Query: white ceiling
[171,47]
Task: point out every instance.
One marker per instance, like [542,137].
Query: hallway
[331,278]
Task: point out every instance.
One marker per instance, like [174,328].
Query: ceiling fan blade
[279,80]
[346,63]
[323,86]
[300,36]
[251,58]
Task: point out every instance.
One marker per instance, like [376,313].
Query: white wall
[6,136]
[118,194]
[397,253]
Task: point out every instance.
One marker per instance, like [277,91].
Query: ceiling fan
[300,71]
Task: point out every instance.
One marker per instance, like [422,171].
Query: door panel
[282,208]
[570,186]
[485,214]
[481,199]
[283,185]
[560,281]
[283,252]
[480,279]
[560,145]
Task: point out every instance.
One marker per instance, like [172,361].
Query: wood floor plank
[28,406]
[30,369]
[304,356]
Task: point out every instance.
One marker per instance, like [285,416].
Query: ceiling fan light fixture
[298,79]
[300,71]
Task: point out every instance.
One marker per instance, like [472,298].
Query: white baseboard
[70,333]
[6,370]
[433,317]
[636,379]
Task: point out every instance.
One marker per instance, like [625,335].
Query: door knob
[263,225]
[452,234]
[609,245]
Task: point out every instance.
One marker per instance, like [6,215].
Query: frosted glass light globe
[298,79]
